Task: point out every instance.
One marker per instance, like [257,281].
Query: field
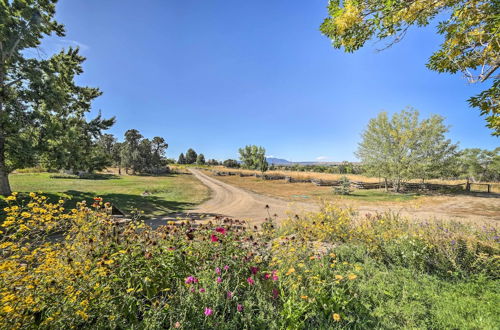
[155,195]
[474,207]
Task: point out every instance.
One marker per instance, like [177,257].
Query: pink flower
[250,281]
[254,270]
[267,276]
[275,277]
[226,267]
[214,238]
[275,293]
[208,311]
[202,290]
[219,279]
[221,230]
[229,295]
[217,270]
[239,308]
[177,325]
[189,280]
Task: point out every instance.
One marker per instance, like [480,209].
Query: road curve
[237,203]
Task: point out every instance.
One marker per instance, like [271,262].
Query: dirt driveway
[231,201]
[234,202]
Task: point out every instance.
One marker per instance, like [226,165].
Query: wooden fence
[409,186]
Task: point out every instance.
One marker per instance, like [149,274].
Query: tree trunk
[4,175]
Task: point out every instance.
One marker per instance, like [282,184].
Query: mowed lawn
[155,195]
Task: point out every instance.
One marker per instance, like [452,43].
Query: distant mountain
[284,162]
[278,161]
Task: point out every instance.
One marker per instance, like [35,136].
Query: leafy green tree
[254,157]
[200,160]
[403,147]
[182,159]
[213,162]
[41,106]
[231,163]
[480,165]
[191,156]
[130,153]
[470,29]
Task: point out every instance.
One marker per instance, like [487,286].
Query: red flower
[214,238]
[250,281]
[221,230]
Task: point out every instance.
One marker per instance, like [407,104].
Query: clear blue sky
[217,75]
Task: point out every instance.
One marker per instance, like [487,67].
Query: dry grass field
[477,207]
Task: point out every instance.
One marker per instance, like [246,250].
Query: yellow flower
[26,214]
[304,297]
[336,317]
[352,276]
[130,290]
[82,314]
[7,309]
[290,271]
[339,277]
[11,198]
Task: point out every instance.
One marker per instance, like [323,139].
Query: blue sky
[217,75]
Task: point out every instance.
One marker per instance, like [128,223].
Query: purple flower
[190,279]
[239,308]
[250,281]
[229,295]
[254,270]
[226,267]
[202,290]
[219,279]
[208,311]
[217,270]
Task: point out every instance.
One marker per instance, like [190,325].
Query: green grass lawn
[168,193]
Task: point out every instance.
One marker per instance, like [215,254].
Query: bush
[344,188]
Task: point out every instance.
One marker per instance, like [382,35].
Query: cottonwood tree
[40,103]
[200,160]
[231,163]
[479,165]
[254,157]
[403,147]
[471,31]
[191,156]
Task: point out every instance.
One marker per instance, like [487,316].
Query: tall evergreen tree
[191,156]
[200,160]
[182,159]
[40,103]
[130,154]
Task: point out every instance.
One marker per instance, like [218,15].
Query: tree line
[135,154]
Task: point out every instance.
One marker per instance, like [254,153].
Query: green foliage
[326,270]
[42,109]
[480,165]
[182,159]
[471,39]
[200,160]
[254,158]
[403,147]
[191,156]
[344,188]
[231,163]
